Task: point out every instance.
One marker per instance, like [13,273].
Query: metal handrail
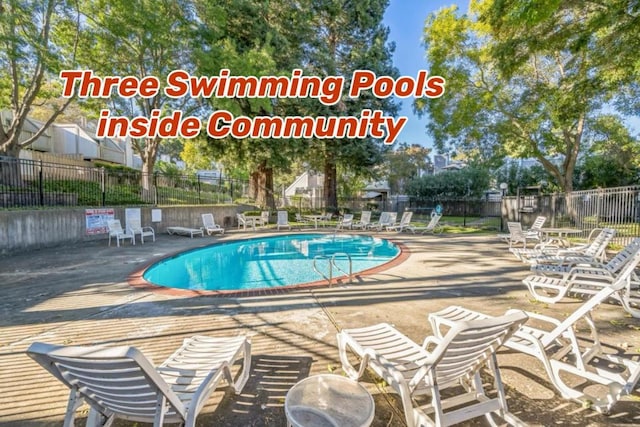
[330,278]
[333,262]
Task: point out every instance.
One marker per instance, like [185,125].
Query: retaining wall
[26,230]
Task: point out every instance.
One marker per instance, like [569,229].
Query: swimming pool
[269,262]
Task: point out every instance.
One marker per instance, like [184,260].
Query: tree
[141,38]
[613,159]
[470,181]
[541,108]
[405,163]
[192,155]
[253,38]
[37,39]
[349,36]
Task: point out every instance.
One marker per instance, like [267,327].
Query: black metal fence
[33,183]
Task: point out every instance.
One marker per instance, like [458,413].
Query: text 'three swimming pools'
[269,262]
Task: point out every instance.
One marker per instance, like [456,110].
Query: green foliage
[38,39]
[168,169]
[517,177]
[540,105]
[404,164]
[116,168]
[468,182]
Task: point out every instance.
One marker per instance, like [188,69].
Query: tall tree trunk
[149,155]
[330,179]
[264,186]
[254,180]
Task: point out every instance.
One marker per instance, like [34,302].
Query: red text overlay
[222,124]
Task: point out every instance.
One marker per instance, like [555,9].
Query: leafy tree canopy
[540,106]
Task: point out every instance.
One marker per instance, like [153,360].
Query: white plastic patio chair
[439,364]
[386,218]
[302,221]
[567,359]
[365,220]
[115,230]
[516,234]
[405,222]
[345,222]
[283,220]
[210,225]
[264,218]
[135,227]
[243,222]
[534,231]
[587,280]
[432,227]
[592,251]
[120,382]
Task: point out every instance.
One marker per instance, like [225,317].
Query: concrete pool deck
[79,295]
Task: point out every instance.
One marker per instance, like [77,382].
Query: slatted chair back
[538,223]
[365,217]
[598,246]
[516,234]
[618,262]
[625,274]
[117,380]
[468,346]
[406,218]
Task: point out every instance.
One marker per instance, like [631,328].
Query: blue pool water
[268,262]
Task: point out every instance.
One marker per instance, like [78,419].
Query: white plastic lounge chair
[243,222]
[386,218]
[564,356]
[365,220]
[516,234]
[588,279]
[303,221]
[326,218]
[135,227]
[534,231]
[115,230]
[434,224]
[210,225]
[415,371]
[120,382]
[405,221]
[283,220]
[345,222]
[593,251]
[185,231]
[264,218]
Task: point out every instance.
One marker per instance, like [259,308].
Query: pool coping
[137,280]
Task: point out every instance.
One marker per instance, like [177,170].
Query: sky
[405,19]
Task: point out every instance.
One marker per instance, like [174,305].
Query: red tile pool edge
[136,280]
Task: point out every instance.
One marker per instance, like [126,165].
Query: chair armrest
[536,316]
[431,340]
[589,273]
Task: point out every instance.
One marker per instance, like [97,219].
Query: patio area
[77,295]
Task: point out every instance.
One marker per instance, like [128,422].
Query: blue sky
[405,19]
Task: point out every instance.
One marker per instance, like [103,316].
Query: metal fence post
[199,198]
[103,186]
[40,184]
[155,188]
